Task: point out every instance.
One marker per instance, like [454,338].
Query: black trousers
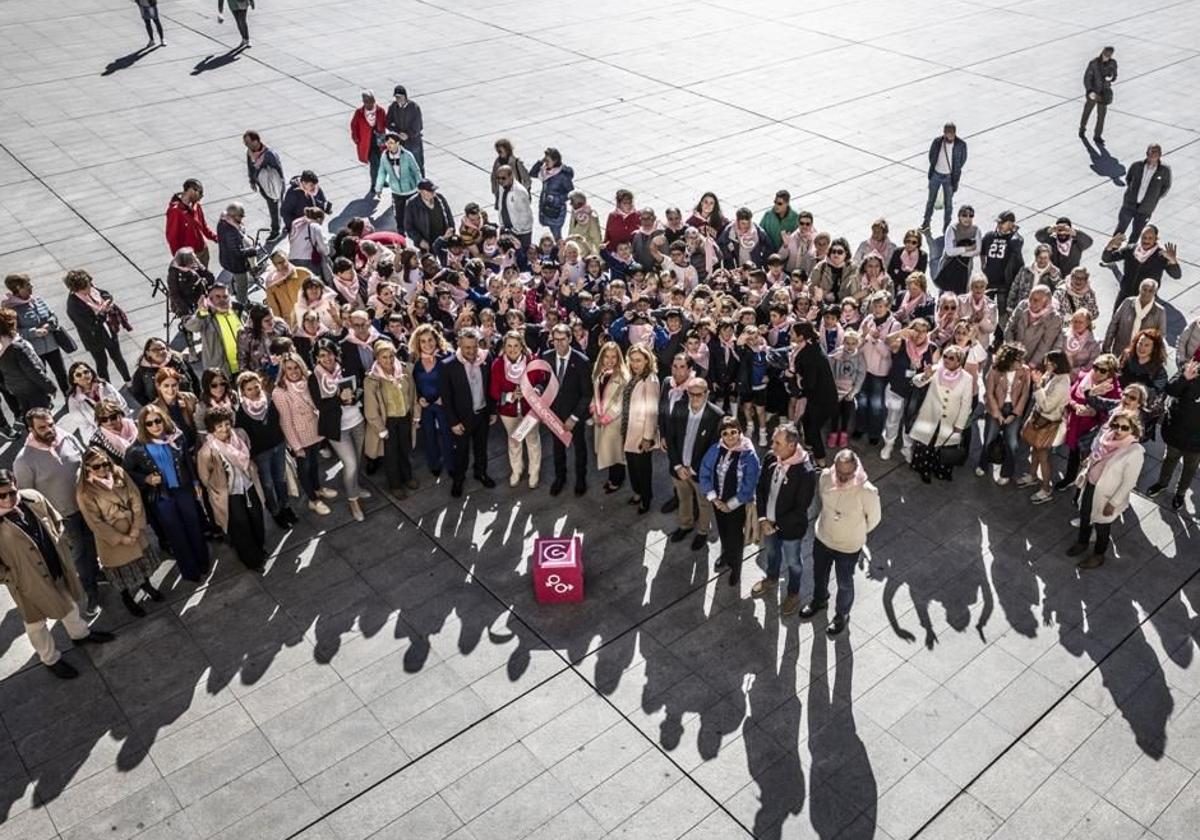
[1127,215]
[239,16]
[474,437]
[641,474]
[398,203]
[273,212]
[579,445]
[397,452]
[731,528]
[1103,530]
[54,361]
[374,155]
[1101,111]
[246,532]
[812,421]
[110,348]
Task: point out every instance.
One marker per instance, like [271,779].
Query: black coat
[329,409]
[186,287]
[1181,424]
[22,373]
[352,359]
[232,251]
[574,389]
[142,385]
[1070,261]
[1160,185]
[1134,272]
[795,496]
[291,207]
[426,224]
[706,435]
[1098,78]
[140,466]
[456,393]
[814,378]
[93,328]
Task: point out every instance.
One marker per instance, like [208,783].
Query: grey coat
[32,314]
[1120,328]
[1039,337]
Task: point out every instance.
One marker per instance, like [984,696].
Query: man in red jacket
[186,227]
[367,129]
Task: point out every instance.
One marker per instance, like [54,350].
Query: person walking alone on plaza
[239,9]
[149,10]
[850,510]
[34,568]
[947,157]
[186,225]
[404,118]
[1101,72]
[785,490]
[368,128]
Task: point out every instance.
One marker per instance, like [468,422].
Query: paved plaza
[396,678]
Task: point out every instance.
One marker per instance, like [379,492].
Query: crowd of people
[749,360]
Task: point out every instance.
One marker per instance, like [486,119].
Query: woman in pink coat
[639,422]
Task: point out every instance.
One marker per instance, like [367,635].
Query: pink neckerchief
[120,441]
[327,380]
[234,450]
[678,390]
[1088,383]
[859,479]
[948,378]
[699,356]
[729,345]
[744,444]
[256,409]
[480,357]
[280,275]
[639,332]
[797,457]
[1064,246]
[350,291]
[373,335]
[1142,254]
[548,172]
[909,260]
[1034,317]
[91,297]
[52,447]
[908,303]
[513,371]
[379,373]
[914,359]
[582,213]
[782,327]
[1075,340]
[979,305]
[1105,447]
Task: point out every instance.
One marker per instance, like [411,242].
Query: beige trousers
[43,642]
[532,446]
[686,491]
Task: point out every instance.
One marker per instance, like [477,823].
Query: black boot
[149,589]
[133,606]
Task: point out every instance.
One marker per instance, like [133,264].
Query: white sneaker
[327,493]
[885,454]
[979,472]
[907,453]
[319,508]
[1075,522]
[514,479]
[1027,480]
[1002,480]
[762,436]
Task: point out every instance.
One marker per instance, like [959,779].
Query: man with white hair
[234,249]
[1037,325]
[1143,312]
[850,510]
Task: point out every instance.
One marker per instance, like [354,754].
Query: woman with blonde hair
[1050,390]
[639,422]
[609,376]
[163,472]
[506,392]
[112,508]
[943,416]
[1079,342]
[298,419]
[1105,484]
[388,405]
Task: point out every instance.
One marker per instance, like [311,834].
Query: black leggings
[149,17]
[54,361]
[239,16]
[731,529]
[843,418]
[640,475]
[1103,529]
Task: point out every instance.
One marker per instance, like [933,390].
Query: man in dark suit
[786,486]
[673,392]
[571,369]
[464,388]
[1101,72]
[691,431]
[1147,181]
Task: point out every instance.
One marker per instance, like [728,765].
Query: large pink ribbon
[540,405]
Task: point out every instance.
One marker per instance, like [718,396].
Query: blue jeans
[872,411]
[435,437]
[991,428]
[825,558]
[272,471]
[937,181]
[83,551]
[784,553]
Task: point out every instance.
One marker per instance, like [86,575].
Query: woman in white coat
[639,422]
[944,414]
[1105,482]
[608,383]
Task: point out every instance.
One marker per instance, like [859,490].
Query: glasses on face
[151,422]
[949,305]
[108,418]
[837,250]
[8,494]
[1121,427]
[921,330]
[101,467]
[805,223]
[730,433]
[912,242]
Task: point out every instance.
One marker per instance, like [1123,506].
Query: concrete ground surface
[396,678]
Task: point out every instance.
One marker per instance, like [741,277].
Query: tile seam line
[567,666]
[964,789]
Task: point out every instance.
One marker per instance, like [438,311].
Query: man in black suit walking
[570,368]
[1101,72]
[464,387]
[691,431]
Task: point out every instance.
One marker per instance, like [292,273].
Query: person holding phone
[1101,72]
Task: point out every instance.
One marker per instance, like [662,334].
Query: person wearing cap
[303,191]
[399,172]
[36,569]
[427,216]
[1101,72]
[947,157]
[367,129]
[962,245]
[404,118]
[1066,244]
[1000,254]
[1146,183]
[516,207]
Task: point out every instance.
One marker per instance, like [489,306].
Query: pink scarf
[92,298]
[52,447]
[234,450]
[1142,254]
[700,356]
[1104,448]
[1075,340]
[859,479]
[1064,246]
[948,378]
[582,213]
[908,262]
[327,380]
[480,357]
[639,332]
[513,371]
[257,157]
[350,291]
[914,359]
[120,441]
[373,335]
[549,172]
[744,444]
[797,457]
[908,304]
[1034,317]
[782,327]
[256,409]
[379,373]
[279,275]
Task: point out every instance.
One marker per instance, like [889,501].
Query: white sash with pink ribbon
[539,405]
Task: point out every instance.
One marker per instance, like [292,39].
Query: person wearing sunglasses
[36,569]
[1109,476]
[86,393]
[112,507]
[780,220]
[729,480]
[963,243]
[836,275]
[215,392]
[906,259]
[163,473]
[1082,416]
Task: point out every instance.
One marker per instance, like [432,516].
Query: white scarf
[1139,313]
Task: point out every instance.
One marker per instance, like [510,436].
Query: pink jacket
[297,417]
[875,350]
[643,414]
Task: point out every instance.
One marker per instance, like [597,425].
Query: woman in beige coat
[41,578]
[639,422]
[944,414]
[111,505]
[230,475]
[388,401]
[608,383]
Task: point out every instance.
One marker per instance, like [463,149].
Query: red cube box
[558,570]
